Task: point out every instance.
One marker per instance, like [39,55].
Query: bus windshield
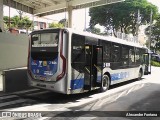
[44,45]
[45,40]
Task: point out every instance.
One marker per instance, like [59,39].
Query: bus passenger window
[125,55]
[78,52]
[116,53]
[137,57]
[106,51]
[116,56]
[131,56]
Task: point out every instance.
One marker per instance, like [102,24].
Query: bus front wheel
[105,83]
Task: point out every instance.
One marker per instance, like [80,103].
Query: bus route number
[106,64]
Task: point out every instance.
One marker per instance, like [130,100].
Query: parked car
[156,57]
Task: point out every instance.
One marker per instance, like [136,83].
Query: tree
[123,16]
[64,22]
[56,25]
[26,23]
[17,22]
[155,34]
[6,19]
[93,30]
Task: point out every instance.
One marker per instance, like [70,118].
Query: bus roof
[106,38]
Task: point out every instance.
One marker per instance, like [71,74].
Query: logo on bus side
[48,73]
[44,63]
[34,62]
[40,64]
[52,62]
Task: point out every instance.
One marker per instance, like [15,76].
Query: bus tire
[140,74]
[105,83]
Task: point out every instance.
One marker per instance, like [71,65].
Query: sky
[155,2]
[78,24]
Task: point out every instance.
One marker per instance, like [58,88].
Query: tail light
[28,68]
[60,76]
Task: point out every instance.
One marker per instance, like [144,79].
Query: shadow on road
[144,101]
[48,97]
[52,97]
[124,83]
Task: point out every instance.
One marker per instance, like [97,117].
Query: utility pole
[149,44]
[150,30]
[85,20]
[138,23]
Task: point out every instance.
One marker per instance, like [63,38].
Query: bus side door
[146,62]
[93,66]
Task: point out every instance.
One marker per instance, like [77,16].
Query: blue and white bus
[69,62]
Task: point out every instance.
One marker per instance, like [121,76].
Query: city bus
[69,62]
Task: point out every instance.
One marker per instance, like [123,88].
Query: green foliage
[123,16]
[93,30]
[61,24]
[16,22]
[56,25]
[155,34]
[6,19]
[64,22]
[157,64]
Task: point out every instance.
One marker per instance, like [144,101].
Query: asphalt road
[133,98]
[138,102]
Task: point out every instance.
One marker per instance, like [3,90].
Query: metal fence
[127,37]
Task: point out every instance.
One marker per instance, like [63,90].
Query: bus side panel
[77,82]
[122,75]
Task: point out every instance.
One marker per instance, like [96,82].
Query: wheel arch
[141,70]
[109,75]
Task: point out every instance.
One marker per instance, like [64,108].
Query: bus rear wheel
[105,83]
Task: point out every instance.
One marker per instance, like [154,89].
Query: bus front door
[97,65]
[87,68]
[93,66]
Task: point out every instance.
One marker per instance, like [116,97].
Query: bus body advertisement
[69,62]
